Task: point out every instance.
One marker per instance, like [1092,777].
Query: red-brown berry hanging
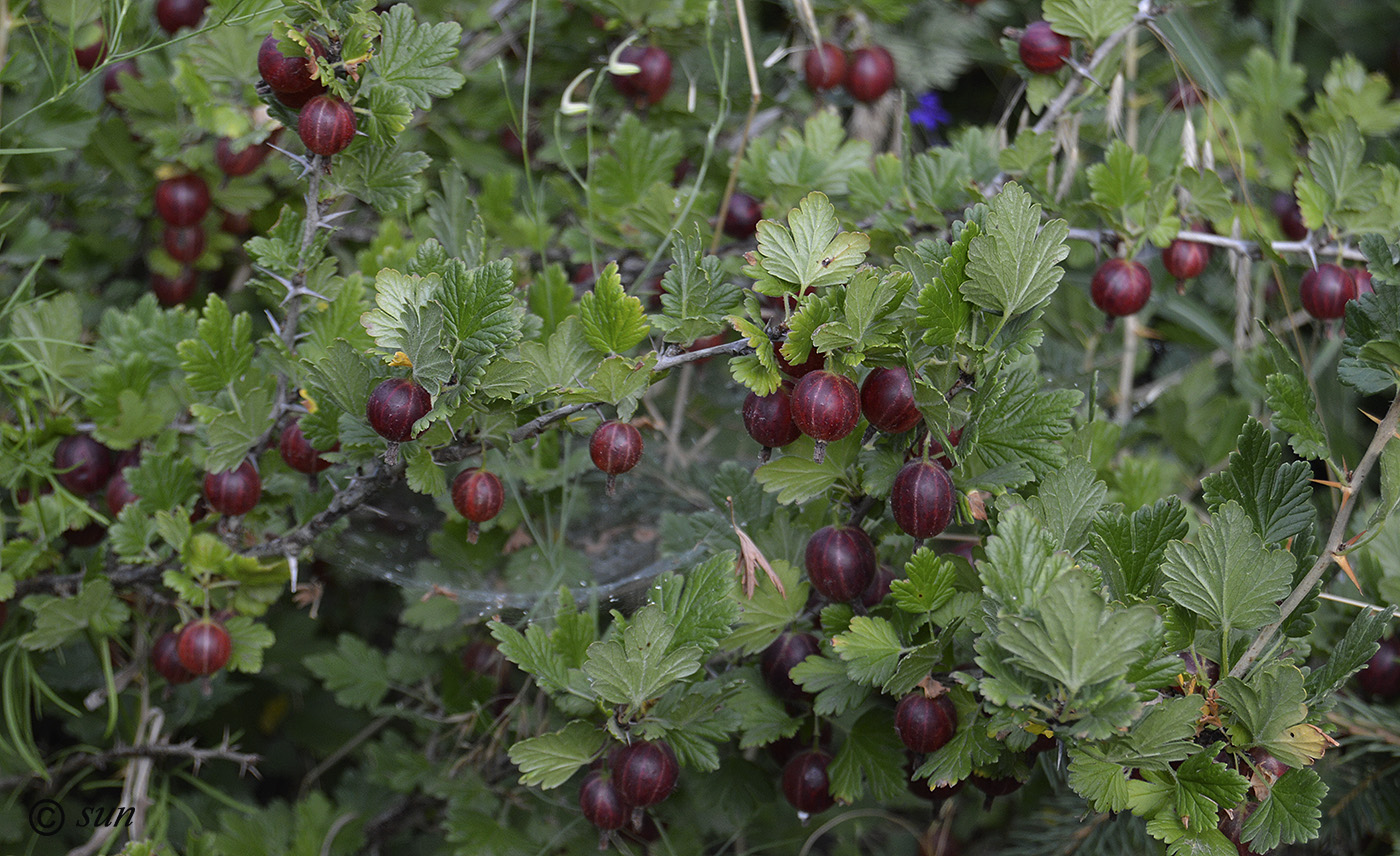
[825,67]
[326,125]
[83,464]
[204,647]
[778,660]
[879,587]
[1380,678]
[826,407]
[172,15]
[649,85]
[183,243]
[870,74]
[298,453]
[1121,287]
[242,161]
[768,419]
[289,74]
[1324,292]
[887,400]
[182,200]
[89,56]
[1185,259]
[615,448]
[742,218]
[806,785]
[925,724]
[119,494]
[173,291]
[478,496]
[840,562]
[645,772]
[1043,50]
[235,491]
[394,406]
[165,658]
[601,804]
[1290,216]
[922,499]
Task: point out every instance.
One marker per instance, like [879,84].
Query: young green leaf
[769,612]
[638,157]
[1022,564]
[1347,657]
[1290,814]
[551,759]
[828,680]
[971,745]
[871,649]
[695,295]
[1121,179]
[811,251]
[222,350]
[702,604]
[612,322]
[762,716]
[1018,422]
[1103,783]
[354,671]
[1015,265]
[1276,496]
[1066,503]
[1266,710]
[1129,548]
[1092,20]
[1292,401]
[1228,576]
[643,663]
[796,478]
[1203,786]
[414,60]
[929,582]
[938,272]
[1371,320]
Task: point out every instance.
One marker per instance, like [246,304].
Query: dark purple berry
[615,448]
[1183,95]
[768,419]
[806,785]
[244,161]
[91,55]
[1324,292]
[1121,287]
[1362,278]
[85,536]
[925,724]
[394,406]
[182,200]
[601,803]
[645,772]
[648,86]
[824,68]
[82,463]
[840,562]
[111,78]
[478,496]
[998,787]
[887,400]
[326,125]
[1043,50]
[119,494]
[741,220]
[1266,763]
[175,14]
[922,499]
[165,657]
[1203,670]
[1380,678]
[289,74]
[826,407]
[235,491]
[298,453]
[1185,259]
[183,243]
[1290,216]
[778,660]
[870,74]
[174,291]
[204,647]
[879,586]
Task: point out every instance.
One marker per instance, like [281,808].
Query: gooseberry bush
[699,428]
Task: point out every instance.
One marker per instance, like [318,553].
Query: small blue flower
[930,114]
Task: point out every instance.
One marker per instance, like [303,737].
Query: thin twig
[1384,433]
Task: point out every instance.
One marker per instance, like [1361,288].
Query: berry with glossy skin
[165,657]
[1043,50]
[778,660]
[1324,292]
[82,463]
[922,499]
[119,494]
[645,772]
[183,243]
[741,220]
[1290,216]
[887,400]
[174,291]
[1121,287]
[478,496]
[824,68]
[615,448]
[174,14]
[840,562]
[1185,259]
[648,86]
[91,55]
[182,200]
[870,74]
[298,453]
[925,724]
[1380,678]
[601,803]
[326,125]
[394,406]
[806,785]
[289,74]
[204,647]
[826,407]
[233,492]
[244,161]
[768,419]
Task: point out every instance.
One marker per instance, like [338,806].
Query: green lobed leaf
[1067,501]
[56,620]
[638,157]
[534,652]
[1093,20]
[702,604]
[249,640]
[865,323]
[762,716]
[613,322]
[693,718]
[1290,814]
[796,478]
[1019,423]
[1014,266]
[1203,786]
[828,680]
[1371,318]
[1228,576]
[1022,564]
[871,759]
[382,175]
[549,760]
[695,295]
[811,251]
[1348,656]
[928,582]
[769,612]
[1292,401]
[871,649]
[1276,496]
[222,350]
[939,270]
[232,429]
[355,672]
[413,59]
[1121,179]
[1265,709]
[1103,783]
[481,317]
[643,663]
[1129,548]
[970,747]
